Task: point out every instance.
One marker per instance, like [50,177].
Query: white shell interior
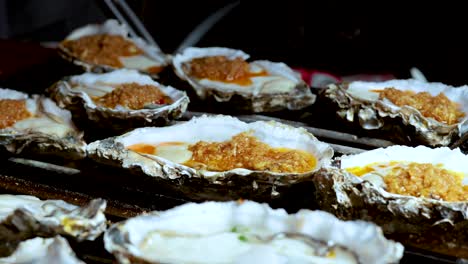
[362,90]
[222,128]
[96,85]
[152,56]
[46,117]
[280,78]
[453,160]
[231,232]
[43,251]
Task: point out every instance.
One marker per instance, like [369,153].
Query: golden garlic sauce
[246,151]
[419,180]
[242,151]
[12,111]
[133,96]
[102,49]
[437,107]
[220,68]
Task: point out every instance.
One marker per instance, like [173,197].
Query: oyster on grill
[43,251]
[218,157]
[432,114]
[108,46]
[418,195]
[224,75]
[247,232]
[36,124]
[23,216]
[120,99]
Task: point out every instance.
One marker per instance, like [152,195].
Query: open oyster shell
[76,93]
[151,62]
[247,232]
[204,184]
[356,100]
[49,129]
[435,225]
[43,251]
[23,217]
[281,88]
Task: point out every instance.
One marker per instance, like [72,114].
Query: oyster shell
[277,88]
[358,100]
[247,232]
[47,129]
[167,167]
[151,62]
[43,251]
[23,217]
[432,224]
[77,92]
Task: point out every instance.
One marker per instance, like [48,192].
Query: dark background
[343,38]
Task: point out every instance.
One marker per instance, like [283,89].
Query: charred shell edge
[66,98]
[152,51]
[299,98]
[370,117]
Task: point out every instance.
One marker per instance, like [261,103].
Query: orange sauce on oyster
[419,180]
[102,49]
[437,107]
[12,111]
[220,68]
[133,96]
[155,69]
[242,151]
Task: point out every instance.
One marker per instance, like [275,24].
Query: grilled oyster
[247,232]
[120,99]
[23,216]
[107,46]
[418,195]
[258,86]
[428,113]
[36,124]
[218,157]
[43,251]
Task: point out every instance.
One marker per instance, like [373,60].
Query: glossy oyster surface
[137,54]
[425,207]
[247,232]
[361,101]
[36,123]
[23,216]
[43,251]
[264,86]
[163,152]
[122,86]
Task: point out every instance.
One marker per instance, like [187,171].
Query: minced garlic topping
[419,180]
[437,107]
[246,151]
[12,111]
[133,96]
[220,68]
[102,49]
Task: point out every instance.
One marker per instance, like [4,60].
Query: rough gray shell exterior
[406,125]
[430,224]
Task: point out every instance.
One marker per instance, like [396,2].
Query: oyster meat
[258,86]
[419,195]
[43,251]
[107,46]
[432,114]
[37,124]
[247,232]
[120,99]
[218,157]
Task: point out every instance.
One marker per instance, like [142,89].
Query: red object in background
[320,79]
